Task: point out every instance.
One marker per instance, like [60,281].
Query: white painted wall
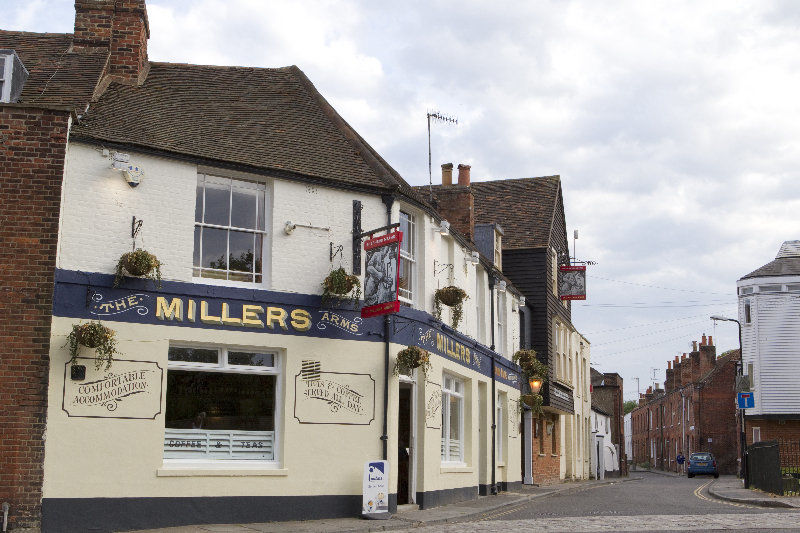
[98,207]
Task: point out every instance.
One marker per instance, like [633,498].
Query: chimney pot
[463,175]
[694,346]
[447,174]
[669,365]
[710,341]
[683,358]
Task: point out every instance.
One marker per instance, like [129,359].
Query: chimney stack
[121,27]
[703,340]
[463,175]
[447,174]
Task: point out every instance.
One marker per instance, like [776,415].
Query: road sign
[746,400]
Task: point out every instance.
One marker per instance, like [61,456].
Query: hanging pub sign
[382,276]
[572,285]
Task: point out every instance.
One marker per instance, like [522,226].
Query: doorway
[406,445]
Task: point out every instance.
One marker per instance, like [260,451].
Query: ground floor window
[452,420]
[221,404]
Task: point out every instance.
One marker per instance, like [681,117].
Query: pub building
[234,394]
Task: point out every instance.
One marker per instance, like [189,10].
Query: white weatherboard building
[769,313]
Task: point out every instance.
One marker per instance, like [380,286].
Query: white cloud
[674,124]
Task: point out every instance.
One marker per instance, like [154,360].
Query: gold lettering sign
[455,350]
[248,315]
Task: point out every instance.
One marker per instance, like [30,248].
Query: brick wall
[546,459]
[773,429]
[32,151]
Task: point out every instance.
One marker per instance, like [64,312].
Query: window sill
[454,469]
[554,455]
[542,455]
[215,470]
[501,465]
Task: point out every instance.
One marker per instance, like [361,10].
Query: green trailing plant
[532,368]
[534,401]
[139,263]
[410,358]
[95,336]
[340,286]
[530,365]
[453,297]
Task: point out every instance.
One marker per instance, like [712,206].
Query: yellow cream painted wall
[108,457]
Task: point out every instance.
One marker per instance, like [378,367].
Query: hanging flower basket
[451,296]
[410,358]
[530,364]
[340,286]
[95,336]
[139,263]
[534,401]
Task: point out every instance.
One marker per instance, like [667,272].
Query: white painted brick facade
[99,205]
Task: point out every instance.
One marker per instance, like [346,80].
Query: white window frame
[747,311]
[501,322]
[5,77]
[222,366]
[480,305]
[554,270]
[265,244]
[410,256]
[498,250]
[447,393]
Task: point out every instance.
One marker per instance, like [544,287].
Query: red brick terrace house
[695,411]
[48,81]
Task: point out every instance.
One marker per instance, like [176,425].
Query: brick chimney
[447,174]
[463,175]
[456,203]
[121,26]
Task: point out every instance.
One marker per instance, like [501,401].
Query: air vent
[12,76]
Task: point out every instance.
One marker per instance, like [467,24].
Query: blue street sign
[746,400]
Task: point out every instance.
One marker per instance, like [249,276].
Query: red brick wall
[546,459]
[32,149]
[773,429]
[456,204]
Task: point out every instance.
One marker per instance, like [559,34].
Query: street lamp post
[743,435]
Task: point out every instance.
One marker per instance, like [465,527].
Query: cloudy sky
[673,125]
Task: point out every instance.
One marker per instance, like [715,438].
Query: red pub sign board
[382,276]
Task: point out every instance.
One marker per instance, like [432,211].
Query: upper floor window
[746,305]
[746,290]
[501,322]
[408,257]
[480,306]
[498,250]
[554,270]
[229,230]
[770,288]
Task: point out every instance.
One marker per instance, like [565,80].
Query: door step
[407,507]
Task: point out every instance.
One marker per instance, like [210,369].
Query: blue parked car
[701,463]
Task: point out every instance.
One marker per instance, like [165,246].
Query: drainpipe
[387,199]
[494,422]
[5,515]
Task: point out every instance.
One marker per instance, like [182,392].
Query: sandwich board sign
[376,490]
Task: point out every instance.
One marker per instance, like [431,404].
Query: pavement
[404,519]
[731,489]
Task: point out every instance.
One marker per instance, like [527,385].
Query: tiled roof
[56,77]
[783,266]
[268,118]
[523,207]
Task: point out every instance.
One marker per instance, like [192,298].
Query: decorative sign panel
[433,405]
[333,397]
[382,276]
[129,389]
[572,283]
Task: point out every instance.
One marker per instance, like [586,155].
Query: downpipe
[493,488]
[388,200]
[5,516]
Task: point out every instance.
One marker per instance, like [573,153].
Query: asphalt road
[651,503]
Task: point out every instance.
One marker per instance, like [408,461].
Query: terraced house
[234,394]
